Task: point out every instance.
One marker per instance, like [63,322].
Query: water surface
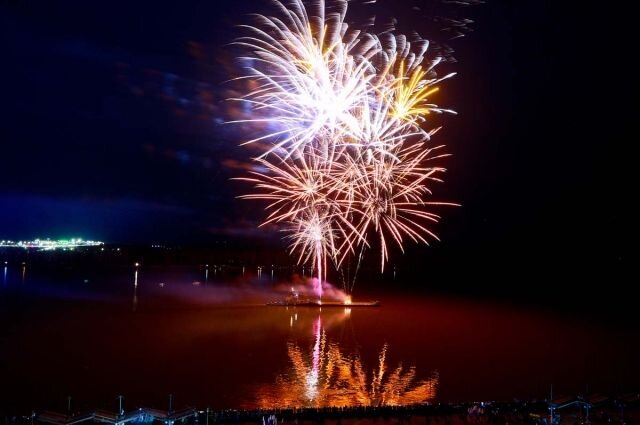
[208,339]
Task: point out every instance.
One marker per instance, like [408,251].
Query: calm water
[208,340]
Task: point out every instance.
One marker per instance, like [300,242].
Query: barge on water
[295,300]
[324,304]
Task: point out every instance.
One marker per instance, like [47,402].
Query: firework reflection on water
[327,376]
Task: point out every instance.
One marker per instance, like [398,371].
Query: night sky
[112,128]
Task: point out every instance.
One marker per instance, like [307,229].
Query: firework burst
[346,154]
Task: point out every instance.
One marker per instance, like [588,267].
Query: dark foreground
[596,410]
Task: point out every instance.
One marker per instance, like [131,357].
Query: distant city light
[50,245]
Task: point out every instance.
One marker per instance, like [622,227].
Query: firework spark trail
[347,153]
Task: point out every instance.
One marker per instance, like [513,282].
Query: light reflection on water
[152,332]
[328,376]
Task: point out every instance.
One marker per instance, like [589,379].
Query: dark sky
[111,127]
